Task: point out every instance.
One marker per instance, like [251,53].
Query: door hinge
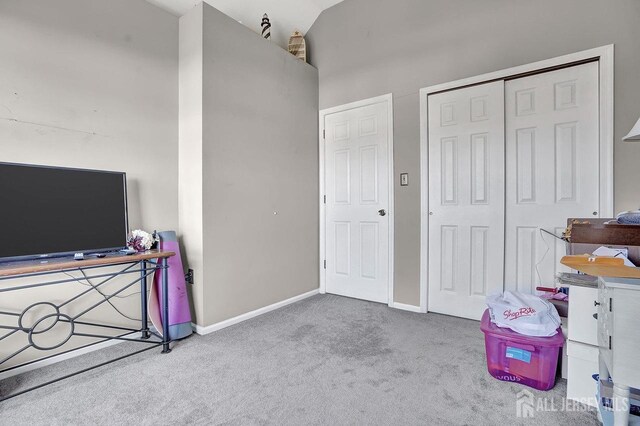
[324,197]
[610,342]
[324,134]
[325,264]
[610,304]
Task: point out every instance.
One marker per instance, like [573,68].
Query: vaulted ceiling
[285,15]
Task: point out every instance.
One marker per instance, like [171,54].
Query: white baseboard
[403,307]
[235,320]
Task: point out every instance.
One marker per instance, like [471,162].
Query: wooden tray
[601,266]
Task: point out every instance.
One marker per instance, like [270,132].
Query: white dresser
[619,339]
[582,343]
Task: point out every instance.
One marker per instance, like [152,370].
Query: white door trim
[604,55]
[388,98]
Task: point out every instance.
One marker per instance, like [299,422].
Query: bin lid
[488,327]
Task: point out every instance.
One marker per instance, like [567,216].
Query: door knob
[382,212]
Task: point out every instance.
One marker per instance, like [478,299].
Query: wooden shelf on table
[62,263]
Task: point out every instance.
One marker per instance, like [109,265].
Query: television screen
[49,211]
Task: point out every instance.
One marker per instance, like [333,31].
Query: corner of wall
[190,150]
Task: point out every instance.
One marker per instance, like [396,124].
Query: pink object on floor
[179,309]
[513,357]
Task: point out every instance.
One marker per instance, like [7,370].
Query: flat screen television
[56,211]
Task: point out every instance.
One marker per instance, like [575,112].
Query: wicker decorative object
[297,46]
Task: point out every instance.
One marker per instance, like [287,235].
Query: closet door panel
[552,163]
[466,198]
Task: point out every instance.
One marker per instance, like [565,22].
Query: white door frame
[603,54]
[388,98]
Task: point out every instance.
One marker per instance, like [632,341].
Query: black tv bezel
[44,256]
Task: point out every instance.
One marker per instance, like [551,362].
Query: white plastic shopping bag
[523,313]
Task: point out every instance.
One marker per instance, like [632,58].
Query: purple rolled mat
[179,310]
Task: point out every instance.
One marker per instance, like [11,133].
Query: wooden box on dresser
[619,339]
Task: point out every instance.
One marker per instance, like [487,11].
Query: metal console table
[140,265]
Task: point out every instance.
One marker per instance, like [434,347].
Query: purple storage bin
[514,357]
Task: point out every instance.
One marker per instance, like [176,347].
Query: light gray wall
[92,84]
[363,49]
[259,156]
[190,152]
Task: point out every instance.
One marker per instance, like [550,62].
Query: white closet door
[466,198]
[552,163]
[357,189]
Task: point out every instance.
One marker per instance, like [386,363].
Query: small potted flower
[140,240]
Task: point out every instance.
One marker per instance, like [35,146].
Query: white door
[552,157]
[466,198]
[357,189]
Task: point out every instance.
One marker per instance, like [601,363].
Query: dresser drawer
[583,364]
[583,327]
